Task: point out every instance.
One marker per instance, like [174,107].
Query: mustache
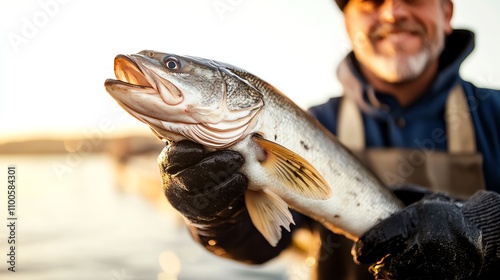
[383,30]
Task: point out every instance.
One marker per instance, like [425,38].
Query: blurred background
[89,198]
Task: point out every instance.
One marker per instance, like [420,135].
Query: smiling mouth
[399,33]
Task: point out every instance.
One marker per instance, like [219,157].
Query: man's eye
[374,3]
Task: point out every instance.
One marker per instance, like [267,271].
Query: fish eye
[172,63]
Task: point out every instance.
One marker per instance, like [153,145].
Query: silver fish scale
[239,95]
[272,96]
[204,81]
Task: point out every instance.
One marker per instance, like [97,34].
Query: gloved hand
[205,188]
[436,238]
[208,190]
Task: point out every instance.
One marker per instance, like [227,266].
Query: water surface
[81,217]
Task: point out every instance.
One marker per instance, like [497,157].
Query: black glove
[205,188]
[436,238]
[209,192]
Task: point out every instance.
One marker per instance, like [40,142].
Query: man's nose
[392,11]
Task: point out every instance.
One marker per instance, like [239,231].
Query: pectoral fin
[296,174]
[268,213]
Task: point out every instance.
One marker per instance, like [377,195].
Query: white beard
[400,67]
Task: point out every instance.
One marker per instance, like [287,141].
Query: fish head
[184,97]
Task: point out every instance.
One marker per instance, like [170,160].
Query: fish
[291,160]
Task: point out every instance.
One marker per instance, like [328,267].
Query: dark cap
[341,3]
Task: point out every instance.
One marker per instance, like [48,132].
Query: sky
[56,54]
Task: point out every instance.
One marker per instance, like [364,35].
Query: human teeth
[397,35]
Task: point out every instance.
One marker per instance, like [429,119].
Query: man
[409,116]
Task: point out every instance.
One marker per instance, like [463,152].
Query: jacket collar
[458,45]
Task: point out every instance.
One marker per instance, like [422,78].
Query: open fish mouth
[129,76]
[138,73]
[127,72]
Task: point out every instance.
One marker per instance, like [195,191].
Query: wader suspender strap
[350,128]
[459,127]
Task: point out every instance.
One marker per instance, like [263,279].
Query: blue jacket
[427,113]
